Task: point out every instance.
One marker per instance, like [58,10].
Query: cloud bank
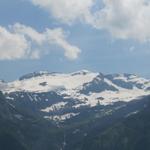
[124,19]
[24,42]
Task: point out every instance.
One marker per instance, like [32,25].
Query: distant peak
[2,81]
[81,72]
[122,75]
[34,74]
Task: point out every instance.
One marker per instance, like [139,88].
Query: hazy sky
[109,36]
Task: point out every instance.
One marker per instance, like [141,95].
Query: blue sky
[88,39]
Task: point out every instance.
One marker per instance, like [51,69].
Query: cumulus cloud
[125,19]
[20,41]
[67,11]
[12,45]
[122,18]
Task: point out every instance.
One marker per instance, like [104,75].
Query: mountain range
[75,111]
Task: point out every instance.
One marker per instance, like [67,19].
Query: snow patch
[61,117]
[54,107]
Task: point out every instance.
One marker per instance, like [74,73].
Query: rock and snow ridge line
[74,82]
[43,81]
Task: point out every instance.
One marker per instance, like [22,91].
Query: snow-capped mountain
[61,96]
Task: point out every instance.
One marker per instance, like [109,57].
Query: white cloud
[20,41]
[122,18]
[12,45]
[66,10]
[125,19]
[58,37]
